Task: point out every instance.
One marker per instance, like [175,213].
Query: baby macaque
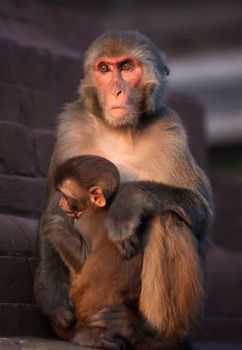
[101,280]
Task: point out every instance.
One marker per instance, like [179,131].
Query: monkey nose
[116,91]
[116,88]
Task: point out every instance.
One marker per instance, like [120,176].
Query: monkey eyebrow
[65,196]
[128,62]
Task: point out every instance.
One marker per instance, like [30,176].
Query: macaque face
[73,199]
[117,80]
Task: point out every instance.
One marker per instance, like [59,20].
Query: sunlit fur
[156,150]
[172,276]
[147,98]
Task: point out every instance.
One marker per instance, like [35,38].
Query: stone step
[23,320]
[22,195]
[17,258]
[18,236]
[30,343]
[18,319]
[35,83]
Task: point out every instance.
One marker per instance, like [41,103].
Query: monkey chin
[121,118]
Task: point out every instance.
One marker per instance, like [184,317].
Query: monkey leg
[120,320]
[172,283]
[97,337]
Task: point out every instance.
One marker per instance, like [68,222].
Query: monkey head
[123,78]
[86,182]
[74,199]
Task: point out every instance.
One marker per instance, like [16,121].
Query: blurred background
[42,43]
[202,40]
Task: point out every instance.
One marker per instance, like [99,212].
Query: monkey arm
[138,200]
[51,285]
[66,241]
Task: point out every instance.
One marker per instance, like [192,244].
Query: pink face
[117,78]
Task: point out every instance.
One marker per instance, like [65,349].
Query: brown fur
[114,283]
[155,149]
[175,283]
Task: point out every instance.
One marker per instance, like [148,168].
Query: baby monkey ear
[96,196]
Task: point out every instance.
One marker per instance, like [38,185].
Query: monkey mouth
[119,111]
[119,107]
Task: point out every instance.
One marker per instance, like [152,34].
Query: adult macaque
[120,116]
[87,185]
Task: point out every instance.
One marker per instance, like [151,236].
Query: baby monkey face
[73,199]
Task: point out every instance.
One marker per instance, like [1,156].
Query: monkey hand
[116,319]
[122,229]
[62,319]
[124,221]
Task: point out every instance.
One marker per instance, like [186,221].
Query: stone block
[8,60]
[39,108]
[23,320]
[35,68]
[68,74]
[16,152]
[16,284]
[44,143]
[22,195]
[9,102]
[18,236]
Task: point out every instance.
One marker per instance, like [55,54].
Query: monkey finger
[113,342]
[103,318]
[109,317]
[128,247]
[100,319]
[62,318]
[122,223]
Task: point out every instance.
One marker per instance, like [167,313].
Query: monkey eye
[74,207]
[103,67]
[127,65]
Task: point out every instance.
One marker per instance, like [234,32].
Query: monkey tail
[172,285]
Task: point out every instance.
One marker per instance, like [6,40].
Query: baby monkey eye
[127,65]
[103,67]
[74,207]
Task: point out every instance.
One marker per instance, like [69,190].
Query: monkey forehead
[129,43]
[117,43]
[116,60]
[70,189]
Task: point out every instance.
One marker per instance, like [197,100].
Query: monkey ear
[96,196]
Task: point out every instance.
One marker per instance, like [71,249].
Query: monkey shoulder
[171,122]
[168,133]
[73,114]
[76,132]
[168,155]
